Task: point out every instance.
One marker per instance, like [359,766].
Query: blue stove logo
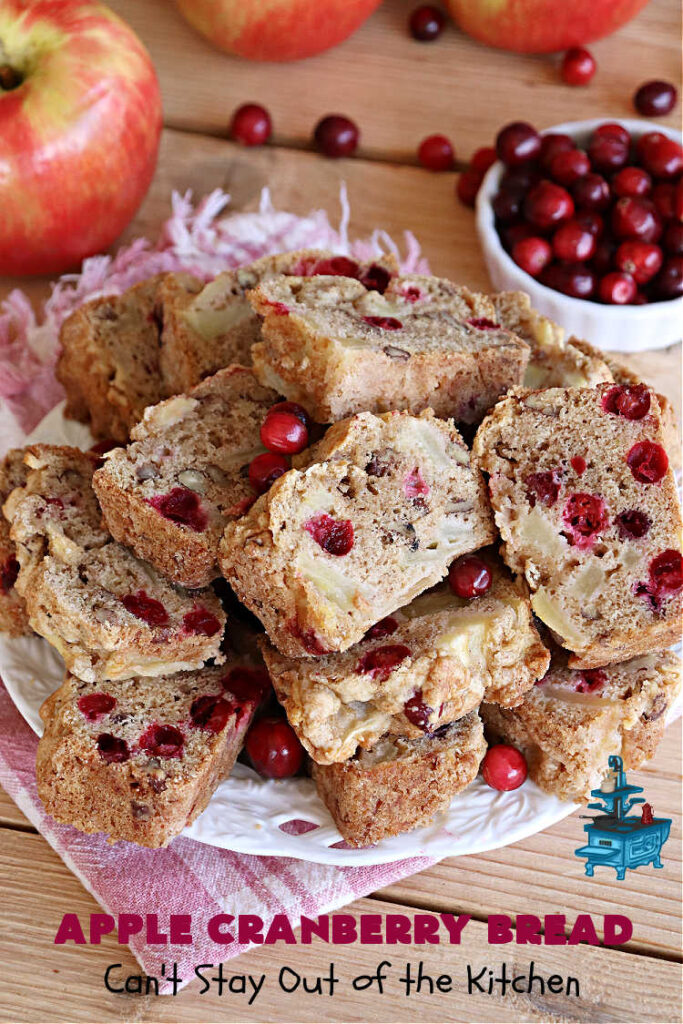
[616,840]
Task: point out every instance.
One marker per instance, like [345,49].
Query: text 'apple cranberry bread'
[401,783]
[339,349]
[569,724]
[170,493]
[110,615]
[377,513]
[424,666]
[109,361]
[139,759]
[13,616]
[587,508]
[209,326]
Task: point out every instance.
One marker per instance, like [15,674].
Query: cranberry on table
[631,181]
[426,23]
[547,205]
[436,153]
[532,254]
[336,136]
[654,99]
[469,577]
[518,142]
[283,432]
[591,192]
[469,183]
[273,748]
[568,166]
[504,767]
[617,289]
[552,144]
[641,260]
[573,243]
[251,125]
[483,158]
[669,282]
[578,66]
[265,469]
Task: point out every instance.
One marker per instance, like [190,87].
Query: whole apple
[276,29]
[541,26]
[80,121]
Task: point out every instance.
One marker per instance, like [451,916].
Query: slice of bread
[13,615]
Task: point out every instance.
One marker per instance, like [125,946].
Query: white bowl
[622,328]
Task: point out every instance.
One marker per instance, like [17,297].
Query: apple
[541,26]
[80,122]
[276,29]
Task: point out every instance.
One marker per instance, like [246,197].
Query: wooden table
[397,91]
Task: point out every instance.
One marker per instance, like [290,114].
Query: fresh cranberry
[335,266]
[181,506]
[507,206]
[96,705]
[576,279]
[283,433]
[636,218]
[568,166]
[611,128]
[544,487]
[591,221]
[552,144]
[248,684]
[418,712]
[469,577]
[251,125]
[669,282]
[673,238]
[591,680]
[482,159]
[146,608]
[678,200]
[632,524]
[519,180]
[436,153]
[469,183]
[663,196]
[385,627]
[517,142]
[604,255]
[336,135]
[426,23]
[210,713]
[548,205]
[112,749]
[666,572]
[648,462]
[632,401]
[295,409]
[585,516]
[504,767]
[660,155]
[381,661]
[162,741]
[578,66]
[482,323]
[578,464]
[385,323]
[617,289]
[9,570]
[513,233]
[273,748]
[639,259]
[201,621]
[631,181]
[607,153]
[532,255]
[591,192]
[333,535]
[654,99]
[573,243]
[265,469]
[376,278]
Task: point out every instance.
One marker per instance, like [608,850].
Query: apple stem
[10,78]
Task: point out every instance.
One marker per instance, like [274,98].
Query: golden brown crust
[13,615]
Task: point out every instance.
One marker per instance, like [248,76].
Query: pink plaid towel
[187,877]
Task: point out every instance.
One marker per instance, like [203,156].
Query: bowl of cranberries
[587,218]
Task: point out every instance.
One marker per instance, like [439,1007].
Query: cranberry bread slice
[13,615]
[339,349]
[209,326]
[139,759]
[568,725]
[377,513]
[401,783]
[426,665]
[587,508]
[170,493]
[109,362]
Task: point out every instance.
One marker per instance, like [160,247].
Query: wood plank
[398,90]
[10,815]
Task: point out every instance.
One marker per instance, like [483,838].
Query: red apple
[276,29]
[541,26]
[80,120]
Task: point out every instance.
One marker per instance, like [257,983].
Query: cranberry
[547,205]
[544,487]
[333,535]
[591,680]
[584,516]
[639,259]
[96,705]
[636,218]
[507,206]
[482,159]
[278,308]
[673,238]
[607,153]
[162,741]
[653,99]
[210,713]
[295,409]
[426,23]
[591,221]
[469,577]
[336,135]
[181,506]
[469,183]
[482,323]
[666,572]
[573,243]
[274,749]
[335,266]
[310,641]
[519,180]
[201,621]
[9,570]
[376,279]
[568,166]
[660,155]
[102,447]
[248,684]
[532,255]
[417,712]
[678,200]
[578,464]
[578,66]
[591,192]
[283,433]
[251,125]
[632,401]
[265,469]
[436,153]
[385,627]
[604,255]
[551,145]
[381,661]
[517,142]
[385,323]
[504,767]
[648,462]
[669,282]
[611,128]
[631,181]
[632,524]
[617,289]
[414,484]
[513,233]
[146,608]
[112,749]
[575,280]
[663,196]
